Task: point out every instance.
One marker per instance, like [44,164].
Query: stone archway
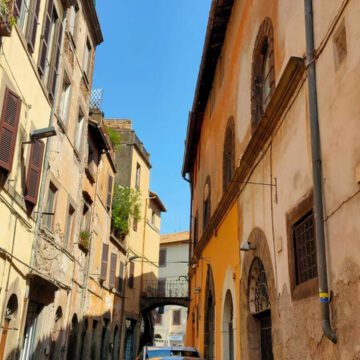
[9,322]
[228,328]
[257,298]
[209,319]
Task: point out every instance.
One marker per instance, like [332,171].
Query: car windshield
[172,352]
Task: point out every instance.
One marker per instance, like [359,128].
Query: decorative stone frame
[265,33]
[310,287]
[249,327]
[229,153]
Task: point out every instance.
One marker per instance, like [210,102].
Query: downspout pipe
[317,174]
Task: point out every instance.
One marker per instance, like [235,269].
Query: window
[72,22]
[79,130]
[176,317]
[340,47]
[153,217]
[26,12]
[86,61]
[69,225]
[305,248]
[158,318]
[104,261]
[229,154]
[121,277]
[263,78]
[112,278]
[50,207]
[64,99]
[8,128]
[86,217]
[135,225]
[138,173]
[195,230]
[50,48]
[109,192]
[131,275]
[206,204]
[162,257]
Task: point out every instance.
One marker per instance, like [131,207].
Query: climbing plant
[125,206]
[115,138]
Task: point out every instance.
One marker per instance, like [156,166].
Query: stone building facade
[143,240]
[272,216]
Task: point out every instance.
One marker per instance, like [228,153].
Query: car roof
[179,348]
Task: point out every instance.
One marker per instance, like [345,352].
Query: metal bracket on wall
[263,184]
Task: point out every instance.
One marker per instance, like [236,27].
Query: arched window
[209,326]
[206,204]
[228,327]
[263,76]
[229,153]
[260,307]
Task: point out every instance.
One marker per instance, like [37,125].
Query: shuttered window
[138,174]
[8,128]
[86,60]
[32,24]
[104,261]
[121,277]
[50,207]
[45,37]
[176,317]
[162,257]
[69,225]
[34,172]
[109,192]
[50,47]
[131,275]
[112,270]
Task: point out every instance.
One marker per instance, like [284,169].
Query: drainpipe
[317,174]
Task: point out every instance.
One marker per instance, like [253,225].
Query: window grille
[305,248]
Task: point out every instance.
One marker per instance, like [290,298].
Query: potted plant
[7,20]
[84,239]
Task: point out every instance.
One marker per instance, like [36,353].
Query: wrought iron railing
[166,288]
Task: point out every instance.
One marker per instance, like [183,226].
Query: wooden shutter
[34,172]
[32,24]
[45,36]
[109,192]
[17,8]
[112,270]
[55,57]
[121,277]
[8,128]
[104,261]
[131,275]
[176,317]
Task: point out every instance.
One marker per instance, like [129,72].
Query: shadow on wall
[91,338]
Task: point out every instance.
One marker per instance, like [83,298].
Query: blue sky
[148,66]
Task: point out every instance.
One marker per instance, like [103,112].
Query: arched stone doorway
[228,327]
[10,318]
[209,326]
[257,301]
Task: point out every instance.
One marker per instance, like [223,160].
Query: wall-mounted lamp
[246,246]
[42,133]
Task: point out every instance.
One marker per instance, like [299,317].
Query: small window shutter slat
[112,270]
[8,128]
[32,24]
[104,261]
[121,277]
[17,8]
[55,57]
[45,37]
[109,192]
[34,172]
[131,275]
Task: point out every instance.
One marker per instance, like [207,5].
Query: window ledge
[305,290]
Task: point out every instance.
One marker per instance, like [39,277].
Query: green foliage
[85,238]
[5,12]
[115,138]
[125,205]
